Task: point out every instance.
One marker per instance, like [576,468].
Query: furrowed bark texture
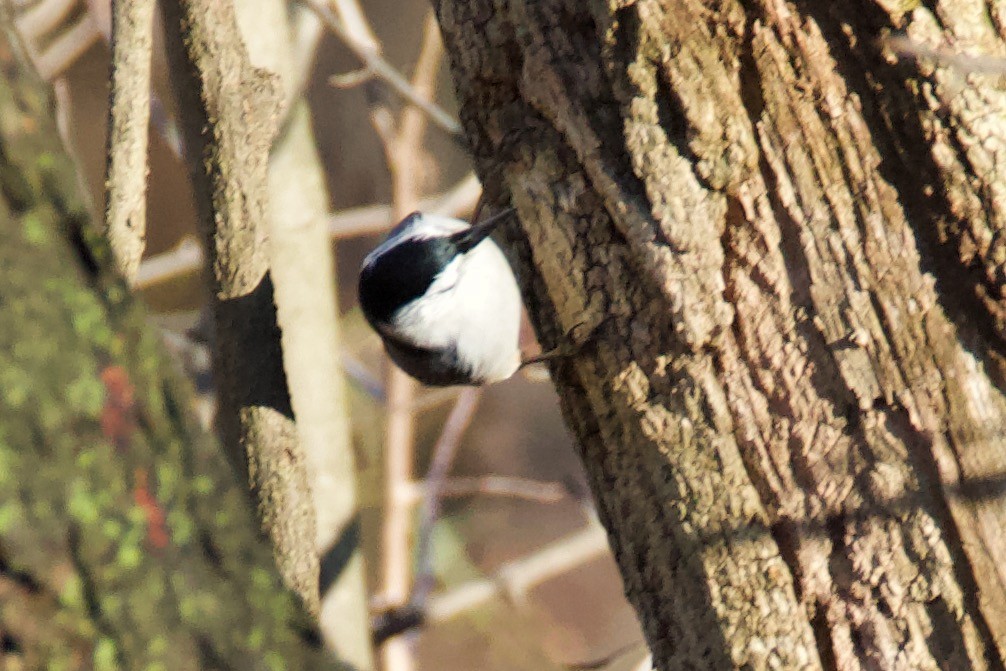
[791,248]
[229,112]
[126,539]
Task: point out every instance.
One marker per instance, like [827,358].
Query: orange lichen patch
[118,421]
[157,528]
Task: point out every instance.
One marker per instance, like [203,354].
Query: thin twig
[384,70]
[396,528]
[373,219]
[443,458]
[128,124]
[362,377]
[432,398]
[351,79]
[355,21]
[412,125]
[43,17]
[645,664]
[62,52]
[904,47]
[307,31]
[514,579]
[186,258]
[525,489]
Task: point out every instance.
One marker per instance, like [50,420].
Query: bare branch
[67,48]
[384,70]
[128,124]
[904,47]
[443,458]
[348,80]
[374,219]
[43,17]
[526,489]
[502,485]
[228,110]
[353,18]
[514,579]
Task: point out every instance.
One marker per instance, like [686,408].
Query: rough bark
[303,268]
[789,249]
[126,539]
[229,111]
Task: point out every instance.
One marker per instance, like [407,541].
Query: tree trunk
[782,251]
[126,539]
[229,110]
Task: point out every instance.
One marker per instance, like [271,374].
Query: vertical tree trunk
[229,110]
[788,248]
[126,539]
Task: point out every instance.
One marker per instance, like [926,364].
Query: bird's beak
[479,231]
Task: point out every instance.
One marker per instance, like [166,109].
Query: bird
[444,300]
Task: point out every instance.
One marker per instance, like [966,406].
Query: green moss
[8,463]
[86,458]
[256,637]
[88,316]
[35,229]
[85,395]
[9,514]
[111,605]
[274,661]
[105,655]
[181,527]
[15,387]
[129,556]
[68,515]
[202,484]
[112,528]
[72,593]
[158,646]
[130,552]
[82,505]
[261,579]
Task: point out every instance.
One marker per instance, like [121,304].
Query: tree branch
[229,110]
[302,266]
[128,124]
[384,70]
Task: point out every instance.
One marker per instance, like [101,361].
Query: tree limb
[229,111]
[128,127]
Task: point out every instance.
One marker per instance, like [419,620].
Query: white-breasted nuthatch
[444,300]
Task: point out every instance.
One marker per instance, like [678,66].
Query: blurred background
[523,575]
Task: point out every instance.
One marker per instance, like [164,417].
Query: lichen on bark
[126,539]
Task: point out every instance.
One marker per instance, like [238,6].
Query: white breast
[474,306]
